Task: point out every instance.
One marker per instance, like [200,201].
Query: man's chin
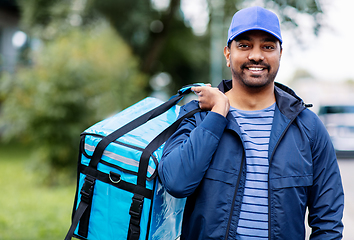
[257,83]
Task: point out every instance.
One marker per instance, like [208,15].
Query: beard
[254,81]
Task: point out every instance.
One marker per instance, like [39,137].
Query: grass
[30,210]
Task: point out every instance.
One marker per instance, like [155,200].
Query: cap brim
[254,28]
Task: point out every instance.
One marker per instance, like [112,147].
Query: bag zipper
[122,144]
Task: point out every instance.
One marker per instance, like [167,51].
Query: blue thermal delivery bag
[118,194]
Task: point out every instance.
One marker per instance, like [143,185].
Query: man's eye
[243,45]
[269,47]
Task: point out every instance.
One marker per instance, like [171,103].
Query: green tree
[172,47]
[76,80]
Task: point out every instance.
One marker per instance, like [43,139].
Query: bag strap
[85,205]
[155,144]
[135,212]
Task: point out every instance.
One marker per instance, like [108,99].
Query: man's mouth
[255,68]
[260,69]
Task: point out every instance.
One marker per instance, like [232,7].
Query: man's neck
[251,99]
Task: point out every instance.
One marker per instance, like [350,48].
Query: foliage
[77,79]
[174,48]
[158,51]
[30,210]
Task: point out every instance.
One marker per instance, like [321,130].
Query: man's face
[254,58]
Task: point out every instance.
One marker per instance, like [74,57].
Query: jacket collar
[287,101]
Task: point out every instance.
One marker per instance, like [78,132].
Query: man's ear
[227,55]
[281,53]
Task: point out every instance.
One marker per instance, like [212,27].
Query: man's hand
[212,99]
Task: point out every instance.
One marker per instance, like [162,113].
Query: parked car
[339,121]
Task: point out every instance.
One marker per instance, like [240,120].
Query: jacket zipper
[234,197]
[271,157]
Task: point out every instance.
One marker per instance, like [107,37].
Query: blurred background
[64,65]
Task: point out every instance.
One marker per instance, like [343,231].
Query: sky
[328,57]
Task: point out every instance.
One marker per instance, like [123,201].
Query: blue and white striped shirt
[255,128]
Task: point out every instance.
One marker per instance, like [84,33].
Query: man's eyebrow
[274,40]
[242,37]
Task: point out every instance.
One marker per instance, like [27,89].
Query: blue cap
[254,18]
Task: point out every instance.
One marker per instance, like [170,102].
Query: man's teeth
[255,69]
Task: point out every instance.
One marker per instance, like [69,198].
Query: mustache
[254,64]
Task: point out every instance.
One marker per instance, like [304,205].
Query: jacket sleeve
[326,196]
[188,152]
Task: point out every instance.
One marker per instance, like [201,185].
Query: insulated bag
[118,193]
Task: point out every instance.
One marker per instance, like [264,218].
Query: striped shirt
[255,129]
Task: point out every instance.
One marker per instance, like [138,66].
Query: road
[347,171]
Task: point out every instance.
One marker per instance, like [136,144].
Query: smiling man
[256,158]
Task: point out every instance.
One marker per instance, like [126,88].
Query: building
[10,37]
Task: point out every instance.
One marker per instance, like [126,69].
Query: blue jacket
[205,162]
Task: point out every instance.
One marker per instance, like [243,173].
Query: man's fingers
[197,90]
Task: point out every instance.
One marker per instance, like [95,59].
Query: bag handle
[101,146]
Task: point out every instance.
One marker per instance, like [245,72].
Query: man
[256,157]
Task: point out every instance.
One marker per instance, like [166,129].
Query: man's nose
[256,54]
